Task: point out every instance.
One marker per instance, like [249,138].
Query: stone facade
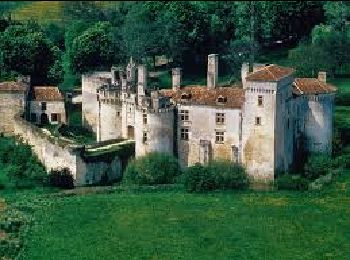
[46,105]
[260,123]
[56,153]
[13,98]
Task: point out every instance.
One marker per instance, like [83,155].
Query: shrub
[153,168]
[217,175]
[21,167]
[198,178]
[292,182]
[61,179]
[317,165]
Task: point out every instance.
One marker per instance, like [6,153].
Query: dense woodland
[89,37]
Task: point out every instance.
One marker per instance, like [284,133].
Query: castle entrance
[130,132]
[44,119]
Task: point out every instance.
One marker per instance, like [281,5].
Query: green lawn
[175,225]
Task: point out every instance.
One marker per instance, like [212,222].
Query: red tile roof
[311,86]
[270,73]
[233,96]
[47,93]
[12,86]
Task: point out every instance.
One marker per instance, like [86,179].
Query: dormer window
[186,96]
[222,99]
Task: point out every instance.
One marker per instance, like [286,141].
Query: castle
[263,123]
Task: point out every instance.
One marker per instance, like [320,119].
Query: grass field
[175,225]
[43,11]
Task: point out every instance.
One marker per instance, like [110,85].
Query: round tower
[319,123]
[154,126]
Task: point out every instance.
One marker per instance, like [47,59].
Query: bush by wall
[20,168]
[153,168]
[217,175]
[61,179]
[292,182]
[317,165]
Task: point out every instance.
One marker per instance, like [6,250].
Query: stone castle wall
[90,83]
[11,103]
[202,126]
[159,129]
[56,153]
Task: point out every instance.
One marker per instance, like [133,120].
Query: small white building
[47,105]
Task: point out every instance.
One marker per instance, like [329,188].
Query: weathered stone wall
[284,125]
[128,115]
[159,129]
[109,125]
[57,153]
[11,103]
[51,107]
[202,126]
[319,123]
[90,83]
[258,141]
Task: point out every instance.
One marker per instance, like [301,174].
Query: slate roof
[232,97]
[12,86]
[47,93]
[270,73]
[311,86]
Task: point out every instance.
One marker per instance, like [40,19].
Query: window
[33,117]
[144,137]
[220,118]
[258,120]
[54,117]
[222,99]
[184,115]
[184,134]
[144,117]
[43,105]
[219,136]
[260,100]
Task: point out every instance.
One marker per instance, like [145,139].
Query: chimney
[142,80]
[212,75]
[176,78]
[130,71]
[244,73]
[114,73]
[322,76]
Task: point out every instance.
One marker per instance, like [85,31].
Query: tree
[93,49]
[308,60]
[337,14]
[26,50]
[237,53]
[141,34]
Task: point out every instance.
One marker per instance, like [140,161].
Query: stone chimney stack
[115,74]
[212,74]
[176,78]
[322,76]
[142,80]
[131,71]
[244,73]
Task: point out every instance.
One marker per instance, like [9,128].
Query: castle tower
[154,125]
[176,78]
[213,68]
[266,126]
[109,125]
[319,109]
